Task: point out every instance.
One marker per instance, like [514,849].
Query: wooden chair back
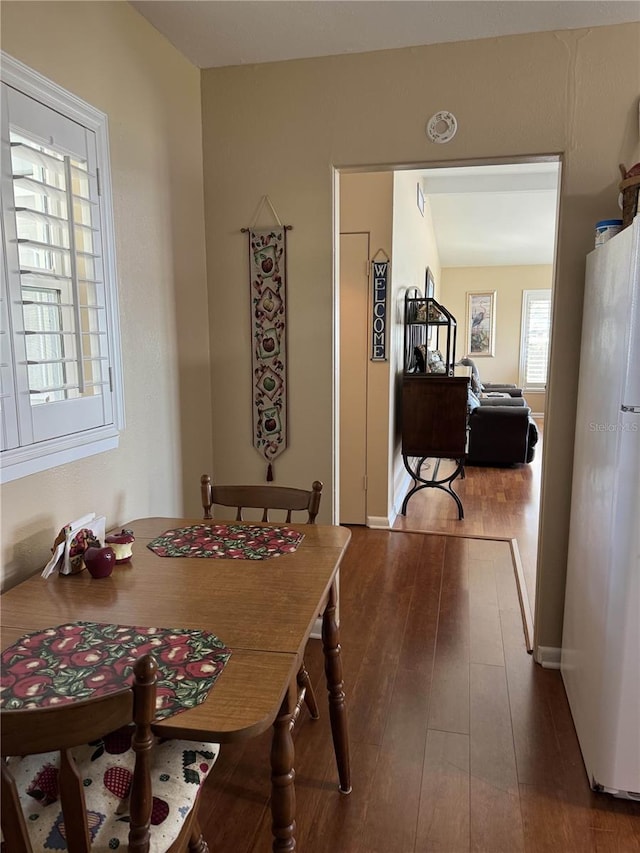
[58,729]
[265,498]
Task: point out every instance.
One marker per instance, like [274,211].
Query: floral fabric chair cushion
[178,769]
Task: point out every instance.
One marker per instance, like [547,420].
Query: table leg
[283,794]
[335,685]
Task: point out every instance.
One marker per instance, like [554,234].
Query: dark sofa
[501,435]
[493,393]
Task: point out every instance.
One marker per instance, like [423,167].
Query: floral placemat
[229,541]
[81,660]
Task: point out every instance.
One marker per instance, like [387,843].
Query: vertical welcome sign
[379,319]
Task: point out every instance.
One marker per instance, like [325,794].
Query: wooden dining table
[263,610]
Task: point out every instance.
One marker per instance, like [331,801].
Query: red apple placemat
[84,659]
[237,541]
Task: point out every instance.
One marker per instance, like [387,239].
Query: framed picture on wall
[429,285]
[481,323]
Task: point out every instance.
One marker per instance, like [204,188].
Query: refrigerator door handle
[634,409]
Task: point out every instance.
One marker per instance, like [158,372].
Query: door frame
[484,161]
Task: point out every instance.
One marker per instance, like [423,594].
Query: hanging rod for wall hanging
[267,200]
[381,251]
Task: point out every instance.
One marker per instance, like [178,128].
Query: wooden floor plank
[235,797]
[495,816]
[449,708]
[485,632]
[495,819]
[395,788]
[491,745]
[418,645]
[443,817]
[338,820]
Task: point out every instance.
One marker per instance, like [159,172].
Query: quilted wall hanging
[267,270]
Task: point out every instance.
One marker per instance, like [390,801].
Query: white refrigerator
[601,637]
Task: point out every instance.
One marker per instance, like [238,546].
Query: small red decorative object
[122,544]
[100,561]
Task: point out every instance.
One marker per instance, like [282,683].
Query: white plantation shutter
[8,410]
[59,354]
[535,336]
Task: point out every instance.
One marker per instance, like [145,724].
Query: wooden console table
[434,426]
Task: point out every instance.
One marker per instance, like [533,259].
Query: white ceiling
[483,216]
[213,33]
[493,215]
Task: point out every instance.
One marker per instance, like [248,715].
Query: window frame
[528,296]
[39,456]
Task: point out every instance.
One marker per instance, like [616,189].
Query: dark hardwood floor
[459,741]
[498,502]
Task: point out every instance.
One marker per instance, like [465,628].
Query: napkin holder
[71,543]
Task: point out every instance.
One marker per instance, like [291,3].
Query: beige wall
[279,128]
[414,249]
[385,205]
[508,282]
[366,202]
[108,55]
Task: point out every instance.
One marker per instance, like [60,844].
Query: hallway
[498,503]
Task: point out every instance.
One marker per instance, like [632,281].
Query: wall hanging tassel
[269,473]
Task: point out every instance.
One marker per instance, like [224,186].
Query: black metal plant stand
[433,482]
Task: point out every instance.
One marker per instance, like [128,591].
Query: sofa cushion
[501,435]
[517,402]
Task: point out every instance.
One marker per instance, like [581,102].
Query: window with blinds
[60,395]
[534,339]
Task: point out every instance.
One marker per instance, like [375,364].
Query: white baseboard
[379,522]
[401,487]
[548,656]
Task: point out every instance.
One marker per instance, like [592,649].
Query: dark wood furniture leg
[304,682]
[283,794]
[335,685]
[197,844]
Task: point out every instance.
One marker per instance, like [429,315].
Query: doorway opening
[465,228]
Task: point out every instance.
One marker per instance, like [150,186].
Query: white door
[354,360]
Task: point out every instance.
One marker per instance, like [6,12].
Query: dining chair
[266,498]
[78,776]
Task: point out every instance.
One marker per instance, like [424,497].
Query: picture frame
[429,284]
[429,292]
[420,199]
[481,323]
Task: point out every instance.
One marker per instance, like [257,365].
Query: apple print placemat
[267,253]
[81,660]
[238,541]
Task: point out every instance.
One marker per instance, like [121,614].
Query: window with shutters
[534,339]
[60,375]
